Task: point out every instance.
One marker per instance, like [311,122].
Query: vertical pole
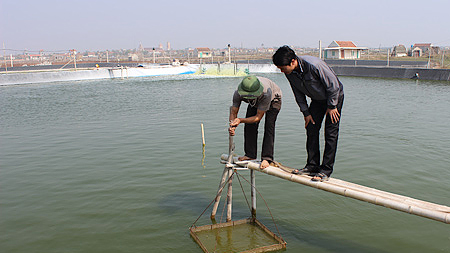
[429,58]
[388,57]
[230,195]
[154,56]
[188,55]
[320,49]
[107,56]
[12,64]
[4,59]
[74,60]
[253,193]
[229,53]
[203,135]
[230,148]
[227,173]
[230,175]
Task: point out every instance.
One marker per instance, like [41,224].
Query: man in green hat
[263,97]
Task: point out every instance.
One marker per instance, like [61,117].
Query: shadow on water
[184,201]
[196,203]
[324,242]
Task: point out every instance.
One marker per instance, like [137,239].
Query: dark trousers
[318,109]
[251,132]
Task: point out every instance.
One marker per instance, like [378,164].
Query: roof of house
[345,43]
[339,44]
[399,47]
[422,45]
[203,49]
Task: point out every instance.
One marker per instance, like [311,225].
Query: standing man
[312,77]
[263,97]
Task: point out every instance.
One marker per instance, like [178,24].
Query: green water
[236,238]
[117,166]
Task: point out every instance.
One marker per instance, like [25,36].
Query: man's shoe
[304,171]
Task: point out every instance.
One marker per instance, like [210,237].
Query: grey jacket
[315,80]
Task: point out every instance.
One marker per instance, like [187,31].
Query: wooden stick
[222,183]
[227,172]
[230,195]
[253,192]
[203,135]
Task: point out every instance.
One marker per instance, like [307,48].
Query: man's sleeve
[300,98]
[236,99]
[331,82]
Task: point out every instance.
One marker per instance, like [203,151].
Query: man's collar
[300,67]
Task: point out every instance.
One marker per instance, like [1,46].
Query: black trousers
[318,109]
[251,132]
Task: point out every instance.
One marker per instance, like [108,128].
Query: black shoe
[304,171]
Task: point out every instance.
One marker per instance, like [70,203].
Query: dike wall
[214,69]
[91,74]
[393,72]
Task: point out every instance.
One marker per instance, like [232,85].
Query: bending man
[312,77]
[263,97]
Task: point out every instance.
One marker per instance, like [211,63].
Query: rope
[245,196]
[223,209]
[273,219]
[223,186]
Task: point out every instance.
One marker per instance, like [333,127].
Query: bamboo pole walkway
[390,200]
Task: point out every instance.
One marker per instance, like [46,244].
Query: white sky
[94,25]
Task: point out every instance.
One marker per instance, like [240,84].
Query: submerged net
[248,235]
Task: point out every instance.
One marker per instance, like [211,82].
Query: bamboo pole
[253,192]
[227,173]
[225,176]
[203,135]
[4,57]
[390,200]
[230,195]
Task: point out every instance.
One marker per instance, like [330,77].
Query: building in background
[419,49]
[399,51]
[203,52]
[343,50]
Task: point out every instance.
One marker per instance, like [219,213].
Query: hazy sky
[94,25]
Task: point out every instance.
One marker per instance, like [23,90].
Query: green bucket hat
[250,88]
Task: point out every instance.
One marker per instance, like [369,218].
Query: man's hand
[309,119]
[334,115]
[232,131]
[233,124]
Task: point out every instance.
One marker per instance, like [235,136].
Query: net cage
[246,235]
